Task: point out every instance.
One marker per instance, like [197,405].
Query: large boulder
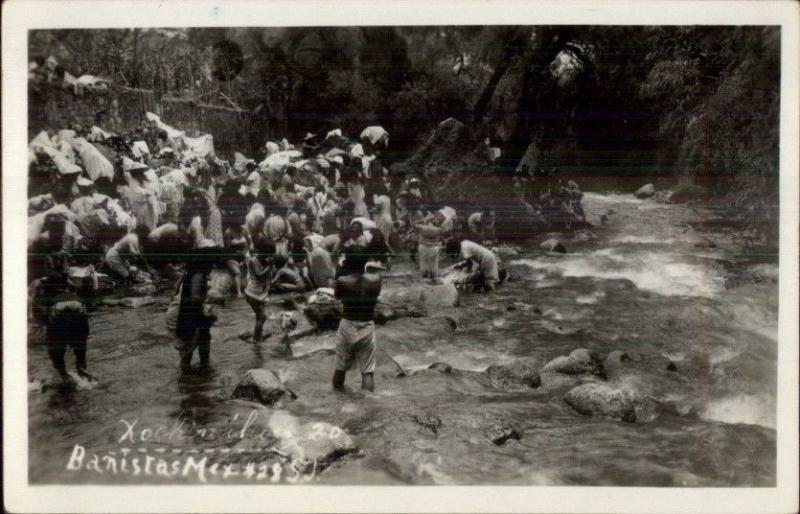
[262,386]
[596,399]
[645,191]
[315,445]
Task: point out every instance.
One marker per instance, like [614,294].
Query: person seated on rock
[487,276]
[260,268]
[67,323]
[287,278]
[358,291]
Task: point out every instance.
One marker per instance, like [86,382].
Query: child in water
[260,269]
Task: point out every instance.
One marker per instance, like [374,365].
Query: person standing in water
[194,321]
[358,291]
[65,316]
[260,269]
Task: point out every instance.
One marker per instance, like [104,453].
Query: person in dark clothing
[194,321]
[65,317]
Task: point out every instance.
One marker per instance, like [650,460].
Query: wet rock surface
[263,386]
[645,191]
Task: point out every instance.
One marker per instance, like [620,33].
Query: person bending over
[288,278]
[487,276]
[358,291]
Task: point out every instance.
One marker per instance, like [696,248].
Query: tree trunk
[536,80]
[479,111]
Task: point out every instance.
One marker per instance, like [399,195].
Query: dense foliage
[696,103]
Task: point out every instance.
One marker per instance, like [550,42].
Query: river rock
[578,362]
[263,386]
[705,243]
[326,316]
[442,367]
[140,290]
[601,400]
[501,434]
[133,302]
[645,191]
[663,196]
[316,445]
[514,375]
[615,360]
[554,380]
[553,245]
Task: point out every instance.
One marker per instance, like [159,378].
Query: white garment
[94,161]
[254,183]
[140,148]
[374,134]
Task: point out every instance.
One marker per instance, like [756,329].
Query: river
[638,283]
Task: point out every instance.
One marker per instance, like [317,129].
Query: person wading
[358,291]
[193,325]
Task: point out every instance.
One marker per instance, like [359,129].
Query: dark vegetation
[694,106]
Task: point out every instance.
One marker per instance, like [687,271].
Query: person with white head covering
[142,201]
[383,220]
[375,135]
[321,270]
[272,148]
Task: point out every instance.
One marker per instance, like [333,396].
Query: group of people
[109,210]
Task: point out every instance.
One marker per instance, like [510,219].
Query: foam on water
[661,273]
[612,198]
[630,239]
[744,408]
[590,299]
[465,360]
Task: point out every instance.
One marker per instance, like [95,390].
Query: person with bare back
[358,291]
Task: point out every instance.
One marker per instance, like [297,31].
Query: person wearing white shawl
[142,201]
[383,220]
[272,148]
[320,265]
[375,135]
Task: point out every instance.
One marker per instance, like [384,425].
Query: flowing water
[637,283]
